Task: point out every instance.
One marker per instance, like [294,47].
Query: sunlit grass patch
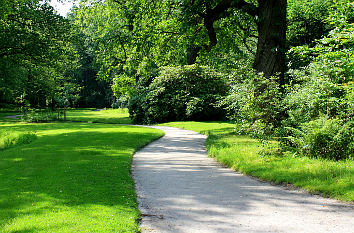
[203,127]
[74,178]
[112,116]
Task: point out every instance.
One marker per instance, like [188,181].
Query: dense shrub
[322,138]
[121,102]
[254,101]
[316,95]
[324,87]
[180,93]
[319,100]
[239,94]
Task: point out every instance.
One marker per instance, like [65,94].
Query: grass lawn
[111,116]
[330,178]
[73,177]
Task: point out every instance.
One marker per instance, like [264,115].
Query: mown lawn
[73,177]
[111,116]
[329,178]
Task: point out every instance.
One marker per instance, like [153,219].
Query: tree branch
[220,11]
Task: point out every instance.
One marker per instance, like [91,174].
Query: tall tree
[270,20]
[132,35]
[35,51]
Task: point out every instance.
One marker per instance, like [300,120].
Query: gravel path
[181,190]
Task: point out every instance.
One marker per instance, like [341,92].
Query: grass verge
[75,177]
[329,178]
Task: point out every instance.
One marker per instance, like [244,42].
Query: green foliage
[38,115]
[341,13]
[325,85]
[12,138]
[123,85]
[240,90]
[307,21]
[316,95]
[253,100]
[324,88]
[319,98]
[132,38]
[323,138]
[36,50]
[180,93]
[94,92]
[67,95]
[335,45]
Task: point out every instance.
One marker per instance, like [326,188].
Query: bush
[325,86]
[322,138]
[254,99]
[180,93]
[121,102]
[317,95]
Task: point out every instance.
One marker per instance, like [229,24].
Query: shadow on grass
[74,169]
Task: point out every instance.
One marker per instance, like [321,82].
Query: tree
[270,20]
[35,52]
[307,21]
[94,92]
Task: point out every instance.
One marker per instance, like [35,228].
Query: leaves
[36,49]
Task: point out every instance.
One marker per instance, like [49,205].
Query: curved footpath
[181,190]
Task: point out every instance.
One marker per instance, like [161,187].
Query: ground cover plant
[243,153]
[75,177]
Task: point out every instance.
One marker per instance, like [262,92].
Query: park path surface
[13,116]
[181,190]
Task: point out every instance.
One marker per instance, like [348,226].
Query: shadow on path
[181,190]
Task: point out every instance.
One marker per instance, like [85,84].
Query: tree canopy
[36,50]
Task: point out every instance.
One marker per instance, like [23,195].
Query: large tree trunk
[271,26]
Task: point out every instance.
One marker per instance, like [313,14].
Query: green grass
[75,177]
[329,178]
[111,116]
[10,138]
[203,127]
